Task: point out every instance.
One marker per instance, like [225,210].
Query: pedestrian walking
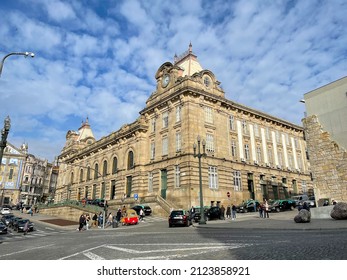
[95,220]
[100,220]
[233,211]
[81,222]
[87,222]
[266,210]
[26,227]
[109,219]
[222,213]
[142,215]
[260,209]
[119,215]
[228,213]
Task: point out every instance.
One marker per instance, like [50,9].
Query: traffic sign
[136,196]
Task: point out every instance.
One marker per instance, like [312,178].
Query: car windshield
[277,202]
[176,213]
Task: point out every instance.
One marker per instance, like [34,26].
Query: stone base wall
[328,162]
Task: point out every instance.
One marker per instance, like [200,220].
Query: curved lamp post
[26,54]
[4,133]
[199,155]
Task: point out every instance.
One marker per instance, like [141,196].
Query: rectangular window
[256,130]
[278,138]
[212,177]
[153,122]
[237,180]
[165,146]
[177,176]
[280,158]
[10,176]
[269,155]
[208,115]
[232,122]
[259,157]
[178,141]
[304,186]
[152,150]
[165,119]
[209,143]
[233,149]
[267,132]
[150,182]
[244,127]
[178,113]
[247,156]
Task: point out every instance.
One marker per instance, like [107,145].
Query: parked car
[247,206]
[5,211]
[214,213]
[146,209]
[6,218]
[3,228]
[6,206]
[197,215]
[130,218]
[13,221]
[179,217]
[299,199]
[99,202]
[282,205]
[311,201]
[20,224]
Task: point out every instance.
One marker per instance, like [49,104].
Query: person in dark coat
[81,222]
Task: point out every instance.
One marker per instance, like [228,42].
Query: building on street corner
[249,154]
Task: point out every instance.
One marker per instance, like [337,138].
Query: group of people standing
[231,212]
[264,210]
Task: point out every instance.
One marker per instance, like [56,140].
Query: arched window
[104,171]
[96,171]
[71,179]
[130,160]
[114,165]
[81,175]
[88,173]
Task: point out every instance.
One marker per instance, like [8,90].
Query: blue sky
[98,58]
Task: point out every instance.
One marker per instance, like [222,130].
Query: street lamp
[26,54]
[199,155]
[4,133]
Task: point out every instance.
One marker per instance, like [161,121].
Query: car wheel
[277,210]
[170,225]
[246,210]
[292,207]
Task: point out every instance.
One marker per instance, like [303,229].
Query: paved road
[247,238]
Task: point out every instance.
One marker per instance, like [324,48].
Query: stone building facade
[326,136]
[24,178]
[249,154]
[11,171]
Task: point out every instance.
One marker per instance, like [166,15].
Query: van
[300,199]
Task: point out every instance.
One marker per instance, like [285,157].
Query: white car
[5,211]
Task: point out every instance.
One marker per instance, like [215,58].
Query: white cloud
[99,60]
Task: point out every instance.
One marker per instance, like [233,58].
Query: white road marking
[92,256]
[26,250]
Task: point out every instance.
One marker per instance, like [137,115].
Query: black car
[3,228]
[197,215]
[179,218]
[247,206]
[13,221]
[213,213]
[282,205]
[6,218]
[99,202]
[19,226]
[146,209]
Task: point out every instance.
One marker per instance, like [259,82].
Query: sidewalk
[277,221]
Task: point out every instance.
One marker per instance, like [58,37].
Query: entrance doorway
[163,183]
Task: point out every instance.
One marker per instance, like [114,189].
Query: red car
[130,218]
